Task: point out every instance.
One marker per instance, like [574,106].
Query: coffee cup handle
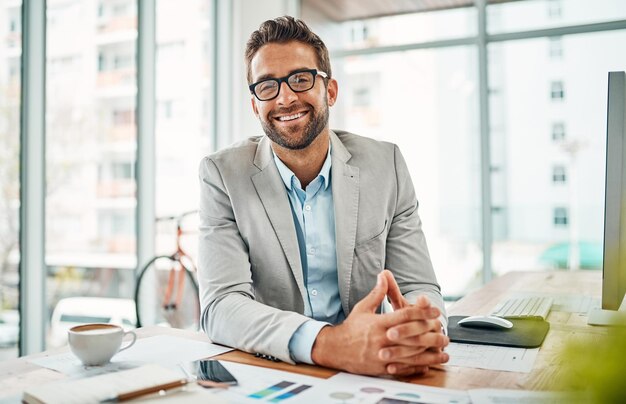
[131,342]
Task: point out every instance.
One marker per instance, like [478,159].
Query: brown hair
[285,29]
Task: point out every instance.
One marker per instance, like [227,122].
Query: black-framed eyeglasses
[298,81]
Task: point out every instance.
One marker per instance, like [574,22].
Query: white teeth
[290,117]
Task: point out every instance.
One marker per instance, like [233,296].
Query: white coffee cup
[95,344]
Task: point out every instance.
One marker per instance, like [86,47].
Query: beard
[318,119]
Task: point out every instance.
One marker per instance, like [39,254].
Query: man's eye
[301,78]
[266,86]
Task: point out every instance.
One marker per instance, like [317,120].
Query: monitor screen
[614,268]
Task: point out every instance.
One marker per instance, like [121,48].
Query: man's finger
[372,301]
[426,358]
[401,369]
[429,339]
[410,313]
[422,301]
[396,353]
[395,295]
[413,328]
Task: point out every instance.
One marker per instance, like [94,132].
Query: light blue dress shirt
[314,218]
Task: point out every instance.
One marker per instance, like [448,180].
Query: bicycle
[166,291]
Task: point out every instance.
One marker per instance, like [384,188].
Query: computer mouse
[485,322]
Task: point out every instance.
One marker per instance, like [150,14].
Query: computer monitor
[614,268]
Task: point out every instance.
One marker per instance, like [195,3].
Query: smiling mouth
[292,117]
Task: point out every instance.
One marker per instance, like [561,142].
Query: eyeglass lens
[298,82]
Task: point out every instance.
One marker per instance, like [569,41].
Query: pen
[160,388]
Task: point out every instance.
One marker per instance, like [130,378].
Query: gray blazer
[250,275]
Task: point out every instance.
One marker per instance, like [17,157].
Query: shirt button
[307,207]
[312,251]
[314,292]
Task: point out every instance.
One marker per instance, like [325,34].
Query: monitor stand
[608,317]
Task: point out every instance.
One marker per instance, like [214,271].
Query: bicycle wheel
[166,294]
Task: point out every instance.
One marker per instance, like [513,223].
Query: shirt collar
[288,176]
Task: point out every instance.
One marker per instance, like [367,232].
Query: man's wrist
[323,351]
[301,342]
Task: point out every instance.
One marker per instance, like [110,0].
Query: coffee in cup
[95,344]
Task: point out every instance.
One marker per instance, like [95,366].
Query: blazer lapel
[345,186]
[271,191]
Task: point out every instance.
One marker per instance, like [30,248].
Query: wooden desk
[17,374]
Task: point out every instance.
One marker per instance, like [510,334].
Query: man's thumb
[372,301]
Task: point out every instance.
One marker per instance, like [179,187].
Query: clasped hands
[404,342]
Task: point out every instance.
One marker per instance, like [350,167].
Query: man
[297,227]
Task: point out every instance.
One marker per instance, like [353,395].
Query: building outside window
[527,130]
[401,82]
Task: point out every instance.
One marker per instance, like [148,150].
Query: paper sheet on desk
[347,388]
[492,357]
[99,388]
[497,396]
[261,385]
[164,350]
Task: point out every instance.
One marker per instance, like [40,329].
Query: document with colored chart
[261,385]
[345,388]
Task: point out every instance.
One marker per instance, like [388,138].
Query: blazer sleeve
[230,315]
[406,251]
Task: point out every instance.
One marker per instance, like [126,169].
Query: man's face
[292,120]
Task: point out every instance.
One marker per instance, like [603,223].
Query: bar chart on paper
[261,385]
[287,389]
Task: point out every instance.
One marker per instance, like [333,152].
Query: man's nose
[286,95]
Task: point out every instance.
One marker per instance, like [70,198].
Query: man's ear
[331,91]
[254,107]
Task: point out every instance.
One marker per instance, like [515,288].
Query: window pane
[426,101]
[10,68]
[391,30]
[90,153]
[539,14]
[183,88]
[550,153]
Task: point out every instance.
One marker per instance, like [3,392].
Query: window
[558,174]
[123,170]
[165,109]
[385,99]
[183,109]
[556,90]
[13,25]
[123,117]
[560,217]
[555,9]
[399,29]
[528,134]
[90,150]
[527,15]
[556,48]
[171,51]
[122,61]
[101,62]
[10,82]
[558,131]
